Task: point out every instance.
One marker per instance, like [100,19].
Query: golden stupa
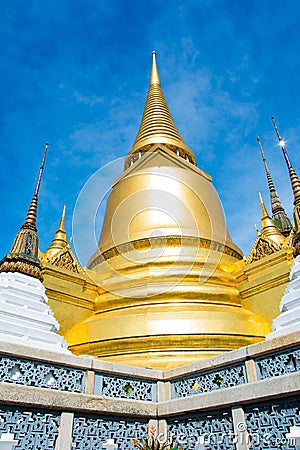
[166,291]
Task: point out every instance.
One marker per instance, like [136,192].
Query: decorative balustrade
[38,374]
[90,432]
[118,406]
[53,376]
[124,387]
[209,381]
[31,429]
[279,363]
[269,424]
[213,431]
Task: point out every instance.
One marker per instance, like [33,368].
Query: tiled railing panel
[31,429]
[38,374]
[276,364]
[90,432]
[269,424]
[213,431]
[209,381]
[123,387]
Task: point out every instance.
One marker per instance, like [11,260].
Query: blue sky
[76,74]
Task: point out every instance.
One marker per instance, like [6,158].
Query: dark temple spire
[295,182]
[279,215]
[23,256]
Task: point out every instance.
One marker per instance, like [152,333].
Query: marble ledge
[83,362]
[264,390]
[34,397]
[107,367]
[46,356]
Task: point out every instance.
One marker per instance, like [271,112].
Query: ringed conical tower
[157,125]
[279,215]
[295,183]
[165,259]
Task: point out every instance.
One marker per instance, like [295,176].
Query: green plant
[152,442]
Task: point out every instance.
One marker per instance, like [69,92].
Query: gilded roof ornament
[23,256]
[279,215]
[66,259]
[269,240]
[157,125]
[59,253]
[295,182]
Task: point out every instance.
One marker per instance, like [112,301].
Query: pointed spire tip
[263,206]
[62,220]
[38,184]
[154,72]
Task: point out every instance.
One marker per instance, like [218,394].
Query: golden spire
[23,256]
[60,238]
[268,227]
[264,212]
[295,182]
[279,216]
[157,126]
[269,240]
[59,253]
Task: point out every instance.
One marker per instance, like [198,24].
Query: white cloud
[88,100]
